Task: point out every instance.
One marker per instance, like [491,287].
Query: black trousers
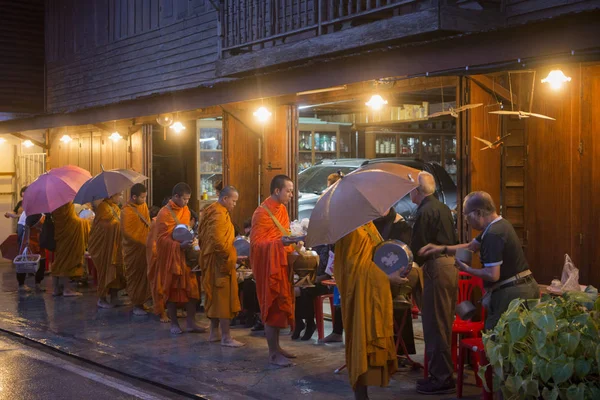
[39,275]
[249,298]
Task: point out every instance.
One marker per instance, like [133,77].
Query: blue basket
[336,297]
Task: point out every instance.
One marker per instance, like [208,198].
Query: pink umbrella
[54,189]
[359,197]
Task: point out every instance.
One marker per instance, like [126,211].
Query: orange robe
[135,226]
[170,277]
[367,309]
[217,260]
[268,259]
[106,247]
[71,235]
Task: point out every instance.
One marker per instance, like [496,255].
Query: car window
[314,179]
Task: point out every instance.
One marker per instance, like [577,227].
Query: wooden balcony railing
[253,24]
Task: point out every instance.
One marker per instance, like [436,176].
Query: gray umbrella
[107,184]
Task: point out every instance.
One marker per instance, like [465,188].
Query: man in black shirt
[434,224]
[505,271]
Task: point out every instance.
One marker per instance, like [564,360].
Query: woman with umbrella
[344,215]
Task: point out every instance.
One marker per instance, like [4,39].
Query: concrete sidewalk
[143,347]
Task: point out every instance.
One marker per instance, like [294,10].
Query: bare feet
[24,289]
[286,354]
[103,304]
[231,342]
[139,311]
[332,338]
[72,293]
[164,318]
[193,328]
[214,337]
[279,360]
[181,314]
[176,330]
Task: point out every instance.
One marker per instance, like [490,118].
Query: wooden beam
[492,87]
[24,137]
[238,118]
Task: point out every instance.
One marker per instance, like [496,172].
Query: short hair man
[218,261]
[172,282]
[434,224]
[269,241]
[135,226]
[505,271]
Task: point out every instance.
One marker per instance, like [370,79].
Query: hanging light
[556,78]
[177,127]
[28,143]
[165,119]
[262,114]
[376,102]
[115,136]
[65,139]
[2,140]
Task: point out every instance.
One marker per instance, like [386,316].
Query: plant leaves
[548,394]
[576,392]
[598,358]
[519,362]
[517,330]
[513,383]
[539,339]
[562,369]
[569,341]
[542,368]
[582,367]
[531,387]
[546,322]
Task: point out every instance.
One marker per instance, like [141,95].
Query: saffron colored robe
[367,309]
[268,259]
[171,280]
[135,226]
[71,235]
[106,247]
[217,261]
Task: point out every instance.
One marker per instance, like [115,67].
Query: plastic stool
[475,345]
[319,312]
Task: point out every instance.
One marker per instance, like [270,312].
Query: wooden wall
[22,61]
[106,51]
[519,11]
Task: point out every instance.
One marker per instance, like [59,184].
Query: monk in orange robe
[135,226]
[173,282]
[218,260]
[367,310]
[71,235]
[106,250]
[269,247]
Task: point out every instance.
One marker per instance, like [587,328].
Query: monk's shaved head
[227,191]
[279,182]
[181,189]
[138,189]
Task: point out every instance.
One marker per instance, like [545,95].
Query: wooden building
[115,66]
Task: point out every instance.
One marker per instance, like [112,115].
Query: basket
[27,263]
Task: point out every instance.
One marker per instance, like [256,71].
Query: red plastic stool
[414,310]
[49,260]
[92,268]
[319,313]
[475,345]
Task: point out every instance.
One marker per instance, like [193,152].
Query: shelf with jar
[321,141]
[210,157]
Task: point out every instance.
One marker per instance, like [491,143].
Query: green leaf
[569,341]
[548,394]
[531,387]
[562,369]
[544,321]
[594,392]
[539,339]
[517,330]
[575,392]
[598,358]
[519,362]
[513,383]
[582,367]
[514,306]
[562,324]
[542,368]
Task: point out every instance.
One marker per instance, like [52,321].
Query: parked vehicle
[313,181]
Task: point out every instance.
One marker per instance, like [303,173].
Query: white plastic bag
[570,276]
[329,268]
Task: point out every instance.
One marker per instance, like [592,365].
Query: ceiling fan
[522,114]
[454,111]
[492,145]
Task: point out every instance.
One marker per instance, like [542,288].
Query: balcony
[258,34]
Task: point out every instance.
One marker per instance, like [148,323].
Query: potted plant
[547,349]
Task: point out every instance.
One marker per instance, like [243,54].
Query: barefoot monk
[218,258]
[269,241]
[174,282]
[106,250]
[135,226]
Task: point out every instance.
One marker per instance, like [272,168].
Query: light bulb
[28,143]
[177,127]
[262,114]
[556,78]
[376,102]
[115,136]
[2,140]
[65,139]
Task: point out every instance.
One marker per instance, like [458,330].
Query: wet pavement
[143,347]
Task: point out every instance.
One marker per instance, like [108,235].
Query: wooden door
[241,168]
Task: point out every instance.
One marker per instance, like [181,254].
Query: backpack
[47,235]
